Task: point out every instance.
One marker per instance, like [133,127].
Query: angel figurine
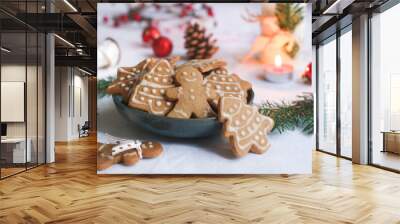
[272,41]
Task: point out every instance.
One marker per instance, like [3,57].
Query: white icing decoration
[149,100]
[237,123]
[141,98]
[228,88]
[191,90]
[164,80]
[123,84]
[154,91]
[156,79]
[168,103]
[218,86]
[145,89]
[192,97]
[158,103]
[162,91]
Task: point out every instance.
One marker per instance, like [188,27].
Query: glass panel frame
[32,63]
[383,73]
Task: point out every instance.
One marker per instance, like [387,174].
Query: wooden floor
[69,191]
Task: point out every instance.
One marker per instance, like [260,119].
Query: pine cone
[198,44]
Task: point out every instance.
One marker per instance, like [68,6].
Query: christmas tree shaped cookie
[245,127]
[225,84]
[127,77]
[149,94]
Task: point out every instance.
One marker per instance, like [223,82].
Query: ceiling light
[5,49]
[64,40]
[70,5]
[84,71]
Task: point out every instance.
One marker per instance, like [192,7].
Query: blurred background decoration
[277,24]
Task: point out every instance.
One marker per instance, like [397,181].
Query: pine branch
[289,15]
[102,85]
[289,116]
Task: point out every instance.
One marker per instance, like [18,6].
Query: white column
[360,90]
[50,92]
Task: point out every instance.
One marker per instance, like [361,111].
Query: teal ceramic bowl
[171,127]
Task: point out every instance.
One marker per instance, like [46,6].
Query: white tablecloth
[290,152]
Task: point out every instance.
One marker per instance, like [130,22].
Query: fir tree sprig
[102,85]
[289,116]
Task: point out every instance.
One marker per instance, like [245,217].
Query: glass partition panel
[32,98]
[346,93]
[14,153]
[385,89]
[327,96]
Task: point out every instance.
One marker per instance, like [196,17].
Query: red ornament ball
[150,33]
[162,47]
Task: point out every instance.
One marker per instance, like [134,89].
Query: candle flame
[278,60]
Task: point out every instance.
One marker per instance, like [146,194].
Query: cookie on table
[245,127]
[191,98]
[206,65]
[128,153]
[225,84]
[149,93]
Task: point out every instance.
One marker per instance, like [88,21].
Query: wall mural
[196,88]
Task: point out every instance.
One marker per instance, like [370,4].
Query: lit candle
[278,72]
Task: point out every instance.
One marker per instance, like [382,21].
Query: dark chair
[84,130]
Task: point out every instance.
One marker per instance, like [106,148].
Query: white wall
[71,93]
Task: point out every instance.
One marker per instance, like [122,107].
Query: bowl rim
[120,101]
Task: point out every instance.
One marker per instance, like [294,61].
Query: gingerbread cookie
[205,65]
[127,78]
[190,95]
[149,94]
[245,127]
[127,153]
[225,84]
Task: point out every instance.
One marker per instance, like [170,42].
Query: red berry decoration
[136,17]
[124,18]
[162,47]
[105,19]
[307,75]
[150,33]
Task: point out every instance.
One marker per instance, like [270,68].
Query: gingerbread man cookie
[127,153]
[245,127]
[225,84]
[149,94]
[205,65]
[190,95]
